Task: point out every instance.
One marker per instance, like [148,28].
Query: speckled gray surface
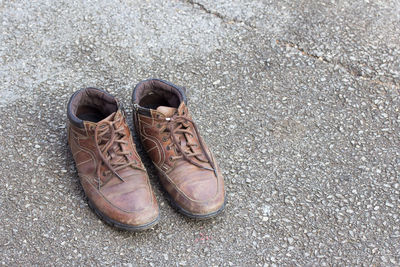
[299,100]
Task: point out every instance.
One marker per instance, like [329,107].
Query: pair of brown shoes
[111,171]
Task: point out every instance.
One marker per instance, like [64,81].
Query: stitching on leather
[76,140]
[76,134]
[83,162]
[151,149]
[157,143]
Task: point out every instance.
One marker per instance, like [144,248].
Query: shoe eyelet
[168,148]
[170,158]
[158,126]
[165,139]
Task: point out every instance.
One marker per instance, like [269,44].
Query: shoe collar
[92,96]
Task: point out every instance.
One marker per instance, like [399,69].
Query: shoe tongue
[110,117]
[167,111]
[113,116]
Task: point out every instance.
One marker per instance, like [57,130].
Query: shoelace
[180,124]
[109,138]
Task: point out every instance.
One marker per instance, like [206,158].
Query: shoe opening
[91,104]
[154,93]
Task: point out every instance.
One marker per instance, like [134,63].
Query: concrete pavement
[299,100]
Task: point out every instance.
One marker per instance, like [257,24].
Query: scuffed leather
[196,190]
[131,202]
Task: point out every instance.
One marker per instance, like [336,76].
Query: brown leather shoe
[187,168]
[110,170]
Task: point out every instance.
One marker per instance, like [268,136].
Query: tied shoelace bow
[181,124]
[109,139]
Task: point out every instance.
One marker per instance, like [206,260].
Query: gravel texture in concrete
[299,101]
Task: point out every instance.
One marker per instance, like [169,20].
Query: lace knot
[182,125]
[111,143]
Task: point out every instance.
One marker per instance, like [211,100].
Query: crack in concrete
[219,15]
[349,69]
[293,45]
[352,71]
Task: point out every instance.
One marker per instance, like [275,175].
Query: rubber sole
[122,226]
